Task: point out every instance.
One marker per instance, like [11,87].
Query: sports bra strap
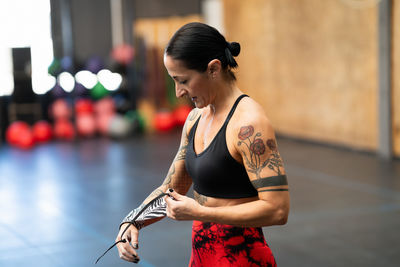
[233,108]
[194,127]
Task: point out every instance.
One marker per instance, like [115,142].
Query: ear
[214,68]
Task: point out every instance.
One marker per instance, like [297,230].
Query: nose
[179,90]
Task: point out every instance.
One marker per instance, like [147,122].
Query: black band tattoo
[276,189]
[270,181]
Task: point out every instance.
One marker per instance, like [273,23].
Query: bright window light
[86,78]
[66,81]
[6,76]
[25,23]
[111,81]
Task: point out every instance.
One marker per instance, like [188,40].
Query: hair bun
[234,47]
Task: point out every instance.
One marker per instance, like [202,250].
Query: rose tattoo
[255,145]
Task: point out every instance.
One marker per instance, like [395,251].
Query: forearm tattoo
[256,162]
[154,194]
[171,172]
[200,198]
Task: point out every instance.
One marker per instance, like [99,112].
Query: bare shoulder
[250,113]
[191,119]
[253,142]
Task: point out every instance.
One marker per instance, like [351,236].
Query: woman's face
[191,83]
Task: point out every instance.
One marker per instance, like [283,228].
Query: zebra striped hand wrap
[154,209]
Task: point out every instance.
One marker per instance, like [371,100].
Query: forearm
[177,179]
[150,211]
[157,211]
[257,213]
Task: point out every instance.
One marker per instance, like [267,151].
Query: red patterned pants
[225,245]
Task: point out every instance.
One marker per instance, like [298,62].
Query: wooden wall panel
[156,32]
[312,64]
[396,77]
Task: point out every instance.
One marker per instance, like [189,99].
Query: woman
[227,150]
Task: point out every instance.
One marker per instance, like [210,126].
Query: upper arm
[177,177]
[258,149]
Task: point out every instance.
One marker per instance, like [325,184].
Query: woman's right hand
[127,250]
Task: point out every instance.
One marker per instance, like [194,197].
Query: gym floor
[61,204]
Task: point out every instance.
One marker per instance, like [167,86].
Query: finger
[134,239]
[130,258]
[168,200]
[126,249]
[125,255]
[170,212]
[172,193]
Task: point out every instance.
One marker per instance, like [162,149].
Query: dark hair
[196,44]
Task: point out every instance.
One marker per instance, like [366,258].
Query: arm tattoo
[200,198]
[256,147]
[276,189]
[255,164]
[154,206]
[270,181]
[171,172]
[154,194]
[181,155]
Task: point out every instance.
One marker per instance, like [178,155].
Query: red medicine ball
[42,131]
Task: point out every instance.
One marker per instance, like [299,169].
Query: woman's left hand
[180,207]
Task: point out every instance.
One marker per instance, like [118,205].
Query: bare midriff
[222,202]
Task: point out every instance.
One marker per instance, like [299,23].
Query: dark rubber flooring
[61,205]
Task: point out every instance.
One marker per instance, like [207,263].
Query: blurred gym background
[89,123]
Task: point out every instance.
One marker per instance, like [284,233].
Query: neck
[225,97]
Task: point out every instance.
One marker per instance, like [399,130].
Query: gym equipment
[98,91]
[103,122]
[164,121]
[180,114]
[85,124]
[94,64]
[123,54]
[120,127]
[105,106]
[25,139]
[14,130]
[137,121]
[42,131]
[55,67]
[84,105]
[64,129]
[60,109]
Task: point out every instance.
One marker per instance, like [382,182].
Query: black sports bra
[215,173]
